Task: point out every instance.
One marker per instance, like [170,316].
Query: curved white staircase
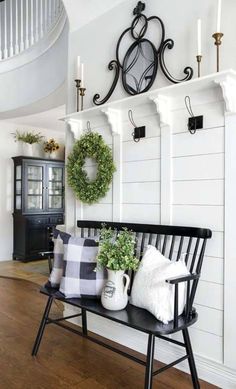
[24,22]
[33,53]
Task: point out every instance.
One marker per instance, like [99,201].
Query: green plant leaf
[28,137]
[116,250]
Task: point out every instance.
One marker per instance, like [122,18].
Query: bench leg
[50,264]
[149,363]
[191,361]
[84,322]
[42,326]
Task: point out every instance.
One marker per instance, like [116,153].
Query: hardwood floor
[36,271]
[64,360]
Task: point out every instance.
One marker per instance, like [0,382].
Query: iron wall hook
[139,132]
[88,126]
[194,122]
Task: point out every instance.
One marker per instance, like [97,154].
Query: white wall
[87,11]
[197,196]
[8,149]
[96,42]
[197,161]
[198,199]
[197,188]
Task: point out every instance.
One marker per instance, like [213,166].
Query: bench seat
[131,316]
[174,242]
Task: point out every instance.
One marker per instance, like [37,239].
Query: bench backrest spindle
[176,243]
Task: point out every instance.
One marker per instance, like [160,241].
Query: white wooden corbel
[76,127]
[228,86]
[114,119]
[163,109]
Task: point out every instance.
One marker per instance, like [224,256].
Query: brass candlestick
[199,59]
[77,83]
[82,94]
[217,36]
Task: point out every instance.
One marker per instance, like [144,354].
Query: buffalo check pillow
[81,277]
[60,239]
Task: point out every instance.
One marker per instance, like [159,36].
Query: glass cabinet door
[55,187]
[18,188]
[34,175]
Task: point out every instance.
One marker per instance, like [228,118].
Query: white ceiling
[47,119]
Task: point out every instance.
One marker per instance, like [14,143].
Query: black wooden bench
[173,242]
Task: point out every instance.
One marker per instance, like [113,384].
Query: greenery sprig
[28,137]
[90,145]
[116,250]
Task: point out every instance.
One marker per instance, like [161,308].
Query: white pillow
[151,292]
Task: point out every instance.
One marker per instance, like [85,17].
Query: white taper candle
[218,16]
[199,37]
[78,68]
[82,75]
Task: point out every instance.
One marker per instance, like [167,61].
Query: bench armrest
[177,280]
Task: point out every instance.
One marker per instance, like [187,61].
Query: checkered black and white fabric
[81,278]
[60,239]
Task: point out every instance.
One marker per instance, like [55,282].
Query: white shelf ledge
[226,79]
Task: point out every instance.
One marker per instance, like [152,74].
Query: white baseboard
[208,370]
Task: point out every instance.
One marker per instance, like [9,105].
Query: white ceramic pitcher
[114,294]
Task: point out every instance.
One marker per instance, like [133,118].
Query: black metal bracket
[139,132]
[195,123]
[142,53]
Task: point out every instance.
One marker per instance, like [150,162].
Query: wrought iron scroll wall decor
[142,59]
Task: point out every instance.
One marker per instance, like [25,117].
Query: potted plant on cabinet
[51,148]
[116,254]
[28,140]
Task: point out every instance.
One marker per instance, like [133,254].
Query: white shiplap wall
[197,182]
[198,200]
[141,169]
[198,197]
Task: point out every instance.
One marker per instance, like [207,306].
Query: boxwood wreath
[90,145]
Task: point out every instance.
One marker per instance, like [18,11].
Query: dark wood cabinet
[38,204]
